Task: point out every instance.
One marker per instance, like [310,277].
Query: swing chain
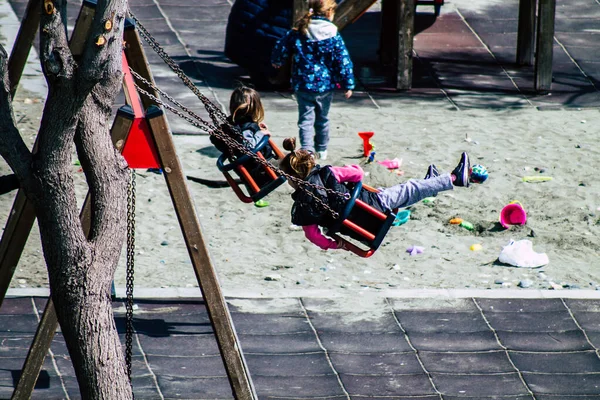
[217,132]
[217,116]
[130,271]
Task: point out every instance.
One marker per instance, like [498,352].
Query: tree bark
[80,265]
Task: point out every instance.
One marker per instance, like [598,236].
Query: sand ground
[257,249]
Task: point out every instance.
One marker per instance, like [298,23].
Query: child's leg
[306,120]
[323,103]
[405,194]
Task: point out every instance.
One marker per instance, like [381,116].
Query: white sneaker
[322,154]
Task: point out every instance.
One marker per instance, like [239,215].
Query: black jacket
[306,210]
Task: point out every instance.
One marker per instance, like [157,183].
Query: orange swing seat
[366,222]
[243,165]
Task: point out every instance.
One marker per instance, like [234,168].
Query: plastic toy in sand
[513,214]
[367,145]
[402,217]
[391,164]
[479,173]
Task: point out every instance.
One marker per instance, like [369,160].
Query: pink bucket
[513,214]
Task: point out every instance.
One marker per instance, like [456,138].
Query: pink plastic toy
[391,164]
[513,214]
[367,146]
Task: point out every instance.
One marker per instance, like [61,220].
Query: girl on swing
[306,212]
[246,117]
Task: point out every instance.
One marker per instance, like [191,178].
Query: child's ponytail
[304,21]
[297,163]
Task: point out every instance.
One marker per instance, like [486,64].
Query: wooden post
[300,9]
[526,33]
[406,33]
[22,46]
[545,44]
[350,10]
[231,351]
[37,353]
[49,322]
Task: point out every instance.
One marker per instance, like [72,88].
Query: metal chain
[218,118]
[130,271]
[232,143]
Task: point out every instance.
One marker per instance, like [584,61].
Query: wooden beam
[37,353]
[227,340]
[406,33]
[545,44]
[22,46]
[349,11]
[300,10]
[526,33]
[82,28]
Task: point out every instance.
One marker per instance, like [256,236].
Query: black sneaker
[432,172]
[462,171]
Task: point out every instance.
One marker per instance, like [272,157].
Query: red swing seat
[370,224]
[241,165]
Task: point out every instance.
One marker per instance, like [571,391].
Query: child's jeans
[407,193]
[313,119]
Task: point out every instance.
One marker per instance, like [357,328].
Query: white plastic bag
[520,254]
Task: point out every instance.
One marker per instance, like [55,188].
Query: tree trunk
[81,265]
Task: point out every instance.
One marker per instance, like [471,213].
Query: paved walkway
[430,347]
[403,348]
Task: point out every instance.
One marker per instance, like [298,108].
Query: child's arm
[343,64]
[281,51]
[313,233]
[348,173]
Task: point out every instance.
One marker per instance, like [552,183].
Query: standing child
[321,63]
[306,211]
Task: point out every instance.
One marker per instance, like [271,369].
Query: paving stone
[179,387]
[298,387]
[403,385]
[289,364]
[583,305]
[564,384]
[532,321]
[520,305]
[187,367]
[261,324]
[280,344]
[588,320]
[168,308]
[458,341]
[354,322]
[574,340]
[349,342]
[557,363]
[19,325]
[176,324]
[180,345]
[14,346]
[471,385]
[376,364]
[16,305]
[434,322]
[478,363]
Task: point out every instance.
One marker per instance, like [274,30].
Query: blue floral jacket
[319,65]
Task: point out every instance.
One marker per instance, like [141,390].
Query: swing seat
[242,167]
[372,229]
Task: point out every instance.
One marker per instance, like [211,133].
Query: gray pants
[313,119]
[407,193]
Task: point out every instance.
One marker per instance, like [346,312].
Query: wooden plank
[37,353]
[349,11]
[406,32]
[82,28]
[300,10]
[545,43]
[49,322]
[231,351]
[388,39]
[20,51]
[526,33]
